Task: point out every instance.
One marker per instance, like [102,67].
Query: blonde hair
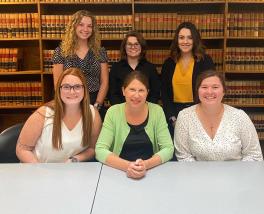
[59,111]
[69,43]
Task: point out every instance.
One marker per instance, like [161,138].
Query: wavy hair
[59,111]
[197,50]
[70,41]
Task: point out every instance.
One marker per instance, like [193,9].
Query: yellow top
[182,83]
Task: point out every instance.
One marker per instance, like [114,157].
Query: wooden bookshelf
[222,24]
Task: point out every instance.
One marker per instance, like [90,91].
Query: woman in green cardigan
[135,135]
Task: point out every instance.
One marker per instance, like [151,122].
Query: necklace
[210,122]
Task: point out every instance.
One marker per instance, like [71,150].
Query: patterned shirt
[236,137]
[89,65]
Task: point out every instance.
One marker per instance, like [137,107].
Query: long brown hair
[197,50]
[69,43]
[59,111]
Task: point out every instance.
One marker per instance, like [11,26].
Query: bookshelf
[232,31]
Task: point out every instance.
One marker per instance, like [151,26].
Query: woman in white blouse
[212,130]
[65,130]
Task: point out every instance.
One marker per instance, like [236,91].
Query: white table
[48,188]
[185,188]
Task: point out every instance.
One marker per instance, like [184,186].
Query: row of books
[8,59]
[110,27]
[20,1]
[26,25]
[176,1]
[245,59]
[20,93]
[89,1]
[47,59]
[165,24]
[53,26]
[245,24]
[123,1]
[258,120]
[19,25]
[217,56]
[244,92]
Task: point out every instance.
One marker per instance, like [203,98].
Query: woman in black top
[133,51]
[179,72]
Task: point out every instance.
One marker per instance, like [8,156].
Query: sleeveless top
[71,140]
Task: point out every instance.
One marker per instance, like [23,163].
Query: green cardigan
[115,131]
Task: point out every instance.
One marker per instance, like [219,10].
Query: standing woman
[133,53]
[65,130]
[179,72]
[80,48]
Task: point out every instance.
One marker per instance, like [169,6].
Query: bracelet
[98,106]
[172,119]
[74,159]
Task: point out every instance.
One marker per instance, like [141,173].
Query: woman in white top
[212,130]
[65,130]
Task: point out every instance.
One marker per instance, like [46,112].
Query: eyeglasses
[135,45]
[140,92]
[67,88]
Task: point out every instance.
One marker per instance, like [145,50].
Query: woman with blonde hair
[65,130]
[81,48]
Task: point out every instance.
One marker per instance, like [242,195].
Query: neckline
[202,127]
[84,56]
[76,125]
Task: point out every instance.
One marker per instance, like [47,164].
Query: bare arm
[56,70]
[104,83]
[29,135]
[155,160]
[117,162]
[89,153]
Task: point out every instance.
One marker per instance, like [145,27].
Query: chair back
[8,141]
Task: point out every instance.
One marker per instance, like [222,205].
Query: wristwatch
[98,106]
[74,159]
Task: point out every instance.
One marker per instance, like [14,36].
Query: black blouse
[137,144]
[121,69]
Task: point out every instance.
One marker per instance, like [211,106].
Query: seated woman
[135,135]
[65,130]
[212,130]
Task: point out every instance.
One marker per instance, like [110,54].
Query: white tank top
[71,140]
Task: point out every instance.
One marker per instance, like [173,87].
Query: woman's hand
[136,169]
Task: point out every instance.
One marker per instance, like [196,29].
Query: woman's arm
[163,139]
[29,136]
[166,83]
[89,153]
[155,85]
[58,61]
[251,150]
[56,70]
[181,143]
[114,87]
[104,83]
